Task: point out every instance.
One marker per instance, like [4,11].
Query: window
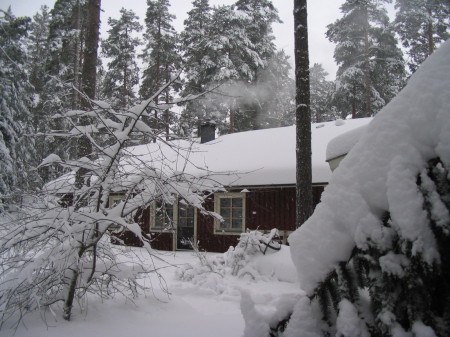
[114,199]
[162,216]
[231,206]
[185,215]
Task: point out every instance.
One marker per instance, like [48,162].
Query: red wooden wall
[266,208]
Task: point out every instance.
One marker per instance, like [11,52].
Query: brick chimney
[207,131]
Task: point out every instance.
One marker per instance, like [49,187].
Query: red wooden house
[260,187]
[257,169]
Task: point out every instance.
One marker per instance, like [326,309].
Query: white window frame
[217,223]
[152,224]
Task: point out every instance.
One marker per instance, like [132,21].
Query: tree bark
[77,55]
[88,79]
[303,117]
[367,81]
[430,35]
[84,146]
[89,75]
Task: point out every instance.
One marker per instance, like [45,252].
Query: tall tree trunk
[430,35]
[166,112]
[84,146]
[76,55]
[89,75]
[367,81]
[303,117]
[233,111]
[125,77]
[88,79]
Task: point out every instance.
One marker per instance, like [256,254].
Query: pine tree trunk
[303,117]
[430,35]
[367,81]
[233,112]
[76,56]
[89,75]
[84,147]
[88,79]
[166,112]
[125,77]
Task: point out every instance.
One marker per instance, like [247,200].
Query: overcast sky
[320,14]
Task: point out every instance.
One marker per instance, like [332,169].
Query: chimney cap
[208,121]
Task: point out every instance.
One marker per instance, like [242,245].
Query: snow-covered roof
[342,144]
[379,174]
[260,157]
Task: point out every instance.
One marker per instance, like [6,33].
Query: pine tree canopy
[371,68]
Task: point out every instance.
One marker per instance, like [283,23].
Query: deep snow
[211,308]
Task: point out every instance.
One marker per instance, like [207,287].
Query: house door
[185,227]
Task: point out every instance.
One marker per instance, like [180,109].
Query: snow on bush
[256,257]
[384,218]
[374,256]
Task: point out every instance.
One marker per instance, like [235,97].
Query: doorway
[185,227]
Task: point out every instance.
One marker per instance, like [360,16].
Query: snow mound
[251,260]
[379,175]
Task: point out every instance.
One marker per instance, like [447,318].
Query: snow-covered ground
[206,306]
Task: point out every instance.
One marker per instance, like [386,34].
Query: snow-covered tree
[16,95]
[66,35]
[59,70]
[365,47]
[320,95]
[160,57]
[274,92]
[373,259]
[235,48]
[422,25]
[62,250]
[259,15]
[38,49]
[120,47]
[198,64]
[194,44]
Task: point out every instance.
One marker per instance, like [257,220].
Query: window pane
[159,221]
[225,212]
[237,202]
[225,224]
[169,211]
[237,223]
[181,211]
[190,212]
[237,213]
[225,202]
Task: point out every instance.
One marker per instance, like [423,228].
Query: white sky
[320,14]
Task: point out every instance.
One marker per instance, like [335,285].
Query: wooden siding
[206,238]
[266,208]
[162,240]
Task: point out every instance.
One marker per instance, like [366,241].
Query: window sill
[219,232]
